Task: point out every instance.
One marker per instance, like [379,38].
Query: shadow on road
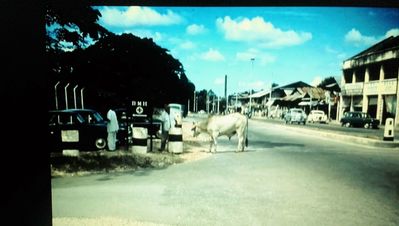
[270,144]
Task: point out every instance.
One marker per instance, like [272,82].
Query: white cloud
[261,31]
[328,49]
[392,32]
[195,29]
[262,57]
[316,81]
[187,45]
[137,16]
[355,37]
[219,81]
[212,55]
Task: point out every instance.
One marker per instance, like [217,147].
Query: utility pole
[250,90]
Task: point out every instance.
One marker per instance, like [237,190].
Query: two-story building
[370,81]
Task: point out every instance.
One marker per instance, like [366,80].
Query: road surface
[283,178]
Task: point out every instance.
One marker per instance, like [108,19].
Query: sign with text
[140,108]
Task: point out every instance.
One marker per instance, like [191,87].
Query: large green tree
[112,67]
[125,66]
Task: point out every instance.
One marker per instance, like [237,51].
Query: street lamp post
[250,90]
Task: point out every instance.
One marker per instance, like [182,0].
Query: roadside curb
[340,136]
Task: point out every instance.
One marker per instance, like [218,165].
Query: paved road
[284,178]
[334,126]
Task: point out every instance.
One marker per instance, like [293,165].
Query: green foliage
[71,23]
[113,67]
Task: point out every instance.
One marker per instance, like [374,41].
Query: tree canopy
[330,84]
[112,67]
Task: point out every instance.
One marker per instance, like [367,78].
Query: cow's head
[195,129]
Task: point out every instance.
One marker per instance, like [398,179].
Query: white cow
[216,126]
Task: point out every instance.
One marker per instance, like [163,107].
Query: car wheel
[367,126]
[347,124]
[101,143]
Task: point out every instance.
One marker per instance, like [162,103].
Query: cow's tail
[246,133]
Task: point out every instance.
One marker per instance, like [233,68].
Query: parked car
[359,119]
[295,115]
[82,129]
[317,116]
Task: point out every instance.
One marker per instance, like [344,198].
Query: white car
[295,115]
[317,116]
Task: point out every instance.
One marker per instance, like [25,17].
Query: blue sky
[287,44]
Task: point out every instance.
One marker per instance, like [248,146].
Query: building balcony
[387,86]
[352,89]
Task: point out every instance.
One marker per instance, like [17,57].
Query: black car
[82,129]
[359,119]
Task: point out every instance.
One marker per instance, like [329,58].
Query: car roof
[72,110]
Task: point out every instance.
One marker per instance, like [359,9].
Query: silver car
[295,115]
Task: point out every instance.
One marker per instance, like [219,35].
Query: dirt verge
[124,160]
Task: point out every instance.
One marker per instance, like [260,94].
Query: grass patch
[100,162]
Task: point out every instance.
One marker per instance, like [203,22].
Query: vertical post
[250,90]
[270,99]
[225,93]
[56,96]
[194,102]
[236,101]
[218,105]
[81,97]
[207,103]
[74,96]
[66,96]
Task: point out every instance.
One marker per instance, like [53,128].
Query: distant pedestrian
[112,129]
[165,127]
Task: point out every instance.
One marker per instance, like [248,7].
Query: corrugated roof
[314,92]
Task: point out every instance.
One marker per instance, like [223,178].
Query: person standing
[165,127]
[112,129]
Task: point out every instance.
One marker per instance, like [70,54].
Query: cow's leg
[215,142]
[241,138]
